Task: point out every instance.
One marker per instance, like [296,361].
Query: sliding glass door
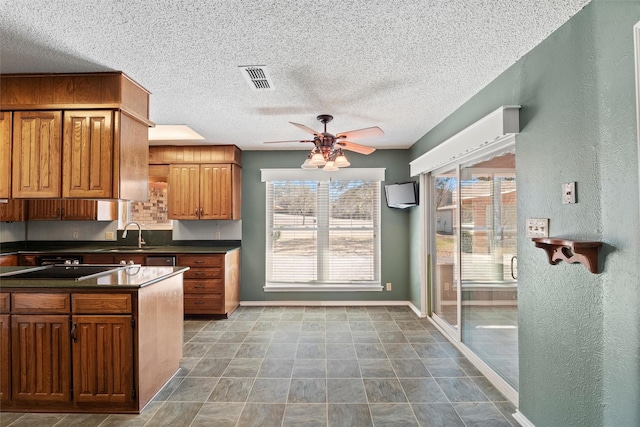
[474,287]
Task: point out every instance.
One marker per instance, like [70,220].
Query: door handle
[513,270]
[74,337]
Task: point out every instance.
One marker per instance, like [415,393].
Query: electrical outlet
[75,234]
[569,193]
[537,227]
[108,235]
[389,286]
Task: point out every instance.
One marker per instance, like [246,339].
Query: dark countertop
[133,277]
[102,248]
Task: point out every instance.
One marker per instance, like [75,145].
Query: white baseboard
[522,420]
[323,303]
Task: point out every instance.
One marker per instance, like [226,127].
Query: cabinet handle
[196,212]
[198,261]
[74,337]
[198,273]
[199,302]
[62,211]
[201,211]
[199,286]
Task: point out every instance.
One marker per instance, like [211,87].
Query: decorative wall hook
[571,251]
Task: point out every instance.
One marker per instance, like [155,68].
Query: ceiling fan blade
[305,128]
[361,133]
[293,140]
[351,146]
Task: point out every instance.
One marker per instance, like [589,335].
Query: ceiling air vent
[257,76]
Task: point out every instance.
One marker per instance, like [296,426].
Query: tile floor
[312,366]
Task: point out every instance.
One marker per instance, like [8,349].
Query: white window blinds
[322,231]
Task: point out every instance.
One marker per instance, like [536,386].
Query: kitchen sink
[73,272]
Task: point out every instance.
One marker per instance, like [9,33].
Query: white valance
[491,131]
[367,174]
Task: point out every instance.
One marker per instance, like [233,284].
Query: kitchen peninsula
[103,342]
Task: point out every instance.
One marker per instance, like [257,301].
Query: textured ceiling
[400,65]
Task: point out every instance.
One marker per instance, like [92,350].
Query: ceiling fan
[327,150]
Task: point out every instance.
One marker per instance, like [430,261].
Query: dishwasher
[165,260]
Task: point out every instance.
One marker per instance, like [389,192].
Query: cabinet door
[40,348]
[12,210]
[76,210]
[37,142]
[5,154]
[87,153]
[45,209]
[103,359]
[215,191]
[5,356]
[183,192]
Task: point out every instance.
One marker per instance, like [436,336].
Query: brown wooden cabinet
[8,260]
[87,154]
[212,284]
[12,210]
[88,350]
[103,348]
[71,210]
[204,191]
[6,119]
[37,145]
[40,358]
[95,146]
[5,355]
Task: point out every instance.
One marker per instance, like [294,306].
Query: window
[323,231]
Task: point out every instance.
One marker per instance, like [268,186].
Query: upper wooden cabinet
[5,154]
[96,146]
[37,143]
[87,154]
[72,210]
[207,191]
[204,182]
[12,210]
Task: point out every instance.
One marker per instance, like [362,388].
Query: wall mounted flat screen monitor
[402,195]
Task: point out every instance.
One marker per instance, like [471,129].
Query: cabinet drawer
[101,303]
[204,273]
[40,303]
[201,261]
[5,299]
[214,285]
[203,303]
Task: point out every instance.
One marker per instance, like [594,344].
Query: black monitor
[402,195]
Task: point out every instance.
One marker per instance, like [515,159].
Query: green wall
[579,334]
[394,238]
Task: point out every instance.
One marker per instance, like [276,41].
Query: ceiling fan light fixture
[330,166]
[317,159]
[307,165]
[341,160]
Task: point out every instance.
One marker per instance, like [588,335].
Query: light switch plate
[537,227]
[108,235]
[569,193]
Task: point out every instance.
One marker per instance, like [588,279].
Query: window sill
[323,288]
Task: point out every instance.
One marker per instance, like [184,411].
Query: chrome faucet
[140,240]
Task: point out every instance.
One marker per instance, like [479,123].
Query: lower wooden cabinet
[84,351]
[5,356]
[40,358]
[212,284]
[102,358]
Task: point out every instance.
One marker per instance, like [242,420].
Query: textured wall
[394,239]
[578,332]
